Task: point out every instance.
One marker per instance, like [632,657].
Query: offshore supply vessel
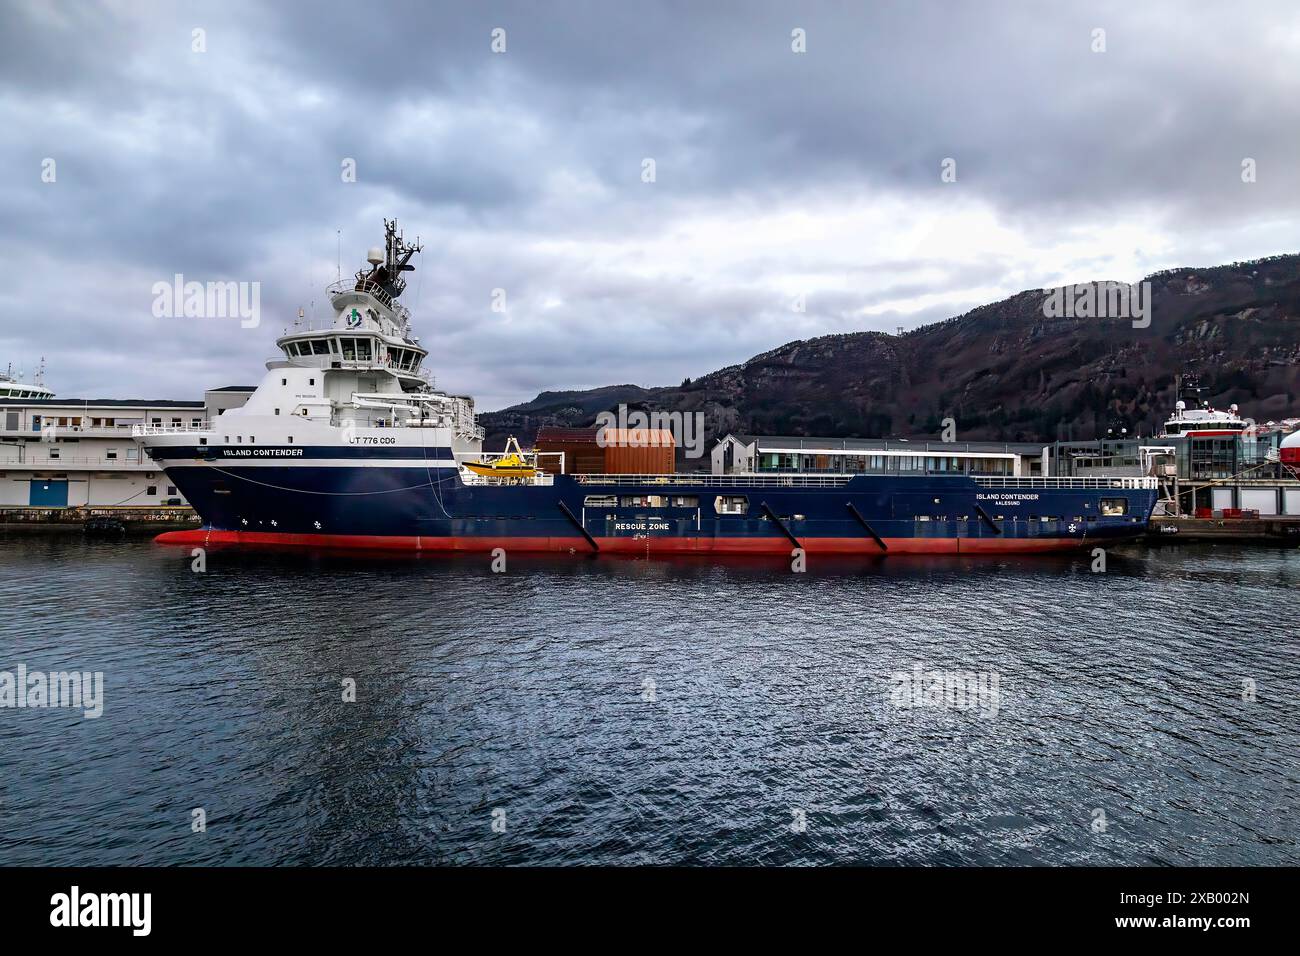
[345,443]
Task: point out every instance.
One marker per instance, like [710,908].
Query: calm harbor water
[666,712]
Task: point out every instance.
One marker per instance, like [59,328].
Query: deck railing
[140,430]
[1131,484]
[720,481]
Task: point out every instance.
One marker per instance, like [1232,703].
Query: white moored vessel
[12,386]
[1205,422]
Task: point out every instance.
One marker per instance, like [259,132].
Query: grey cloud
[518,169]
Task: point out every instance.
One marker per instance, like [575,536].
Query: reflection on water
[613,710]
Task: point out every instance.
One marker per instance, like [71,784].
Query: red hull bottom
[359,542]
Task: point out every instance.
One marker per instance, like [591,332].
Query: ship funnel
[375,256]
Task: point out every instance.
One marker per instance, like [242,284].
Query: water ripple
[657,712]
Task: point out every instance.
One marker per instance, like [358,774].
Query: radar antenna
[397,259]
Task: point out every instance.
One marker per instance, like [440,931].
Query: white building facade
[76,453]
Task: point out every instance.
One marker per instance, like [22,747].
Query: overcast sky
[778,174]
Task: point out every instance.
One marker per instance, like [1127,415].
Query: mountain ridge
[1004,371]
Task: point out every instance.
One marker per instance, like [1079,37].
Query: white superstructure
[1205,422]
[357,380]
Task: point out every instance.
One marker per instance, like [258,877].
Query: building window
[111,454]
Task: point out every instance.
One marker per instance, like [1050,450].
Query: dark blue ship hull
[371,505]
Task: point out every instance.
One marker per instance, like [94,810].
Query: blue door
[49,494]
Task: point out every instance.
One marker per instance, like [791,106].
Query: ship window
[290,439]
[685,501]
[203,441]
[277,411]
[1114,506]
[151,490]
[320,347]
[311,381]
[284,381]
[731,504]
[600,501]
[644,501]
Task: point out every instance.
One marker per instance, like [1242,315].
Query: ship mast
[387,274]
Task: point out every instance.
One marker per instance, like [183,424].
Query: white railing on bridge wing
[372,289]
[1049,482]
[141,430]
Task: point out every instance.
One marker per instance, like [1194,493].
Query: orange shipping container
[639,451]
[625,451]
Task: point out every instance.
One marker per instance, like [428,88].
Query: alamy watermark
[1100,300]
[208,300]
[637,429]
[946,690]
[82,690]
